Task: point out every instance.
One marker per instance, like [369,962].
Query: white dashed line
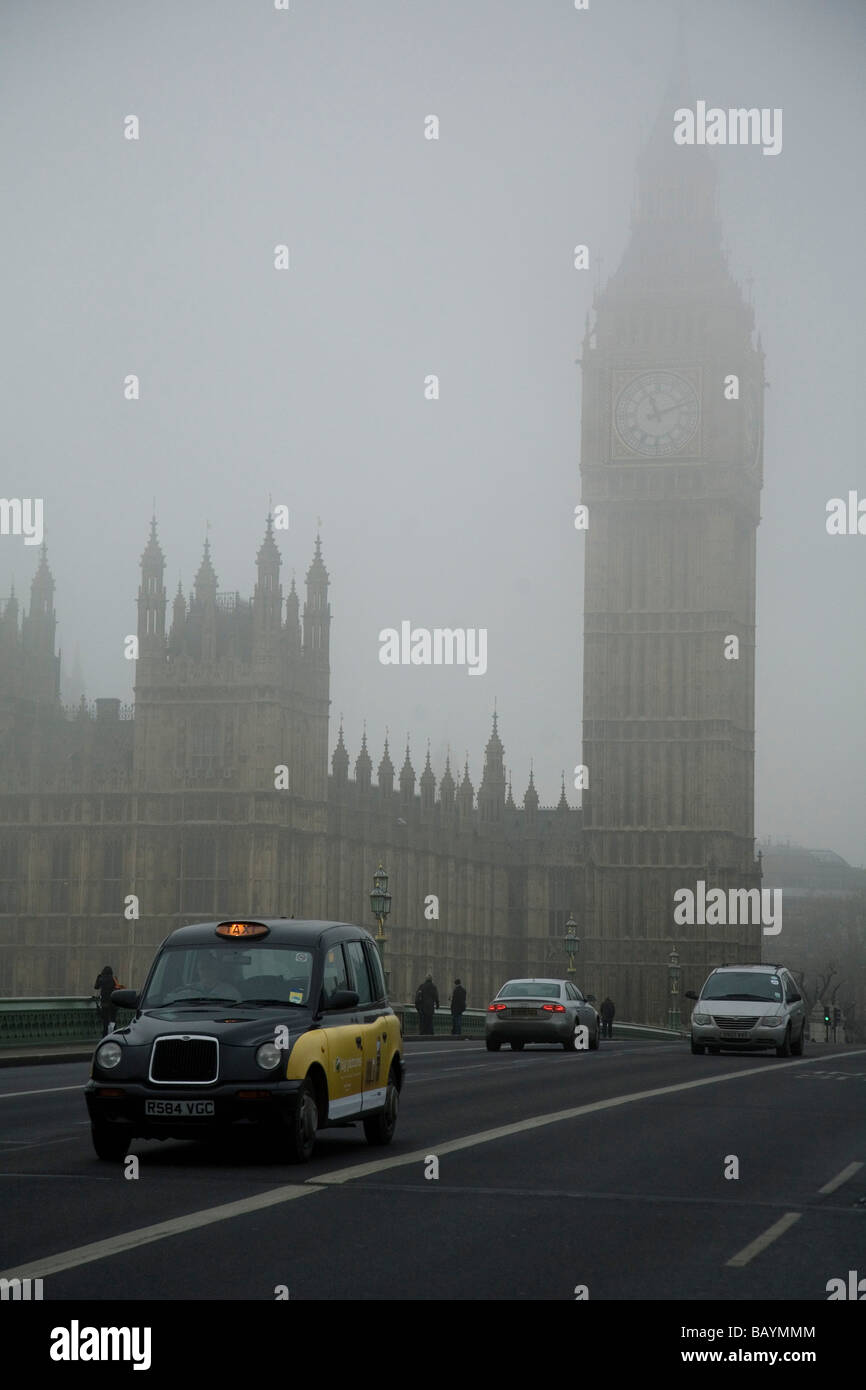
[778,1229]
[845,1174]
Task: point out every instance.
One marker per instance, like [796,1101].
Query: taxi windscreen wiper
[192,999]
[288,1003]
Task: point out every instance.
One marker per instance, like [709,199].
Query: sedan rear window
[530,989]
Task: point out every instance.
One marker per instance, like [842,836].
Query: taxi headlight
[771,1021]
[268,1056]
[108,1055]
[702,1020]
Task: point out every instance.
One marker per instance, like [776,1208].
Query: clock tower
[671,469]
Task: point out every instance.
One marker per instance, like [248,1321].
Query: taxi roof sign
[242,929]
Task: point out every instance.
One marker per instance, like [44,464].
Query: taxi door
[345,1042]
[373,1029]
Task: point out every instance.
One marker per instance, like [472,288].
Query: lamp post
[380,903]
[674,983]
[571,943]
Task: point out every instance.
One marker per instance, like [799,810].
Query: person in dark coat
[607,1015]
[428,995]
[458,1004]
[104,984]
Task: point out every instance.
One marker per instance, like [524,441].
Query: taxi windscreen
[230,974]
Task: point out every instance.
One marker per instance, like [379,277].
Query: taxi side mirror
[343,999]
[125,998]
[690,994]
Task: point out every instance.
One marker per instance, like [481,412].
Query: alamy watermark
[443,646]
[77,1343]
[736,907]
[736,126]
[22,516]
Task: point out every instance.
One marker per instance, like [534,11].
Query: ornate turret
[41,665]
[363,767]
[317,612]
[340,760]
[385,774]
[151,608]
[268,596]
[491,793]
[427,785]
[206,580]
[447,789]
[530,800]
[293,621]
[204,605]
[465,794]
[407,779]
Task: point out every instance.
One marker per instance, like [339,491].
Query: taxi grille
[184,1059]
[725,1021]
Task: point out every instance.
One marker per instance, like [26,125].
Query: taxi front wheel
[379,1129]
[301,1126]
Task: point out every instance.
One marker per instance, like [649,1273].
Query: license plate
[522,1013]
[735,1035]
[186,1109]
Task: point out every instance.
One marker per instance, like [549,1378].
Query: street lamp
[674,982]
[571,943]
[380,904]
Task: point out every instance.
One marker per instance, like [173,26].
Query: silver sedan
[541,1011]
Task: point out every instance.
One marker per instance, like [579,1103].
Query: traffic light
[826,1014]
[837,1017]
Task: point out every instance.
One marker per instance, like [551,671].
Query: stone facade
[179,804]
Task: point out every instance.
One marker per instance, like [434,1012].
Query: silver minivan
[746,1007]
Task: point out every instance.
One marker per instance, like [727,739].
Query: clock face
[657,414]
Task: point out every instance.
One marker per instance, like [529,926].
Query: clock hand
[668,408]
[655,415]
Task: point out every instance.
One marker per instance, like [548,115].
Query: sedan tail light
[554,1008]
[495,1008]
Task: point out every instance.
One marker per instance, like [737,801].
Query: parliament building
[215,795]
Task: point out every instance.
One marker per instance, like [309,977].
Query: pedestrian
[419,1010]
[458,1004]
[428,995]
[607,1016]
[103,986]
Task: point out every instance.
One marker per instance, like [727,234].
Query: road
[557,1173]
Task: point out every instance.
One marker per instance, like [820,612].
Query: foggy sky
[411,257]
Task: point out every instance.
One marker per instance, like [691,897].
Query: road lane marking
[130,1240]
[436,1051]
[45,1091]
[779,1228]
[9,1144]
[364,1170]
[146,1235]
[845,1174]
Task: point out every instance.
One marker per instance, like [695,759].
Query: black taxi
[274,1024]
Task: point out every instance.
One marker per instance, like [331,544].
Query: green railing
[77,1020]
[472,1022]
[52,1020]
